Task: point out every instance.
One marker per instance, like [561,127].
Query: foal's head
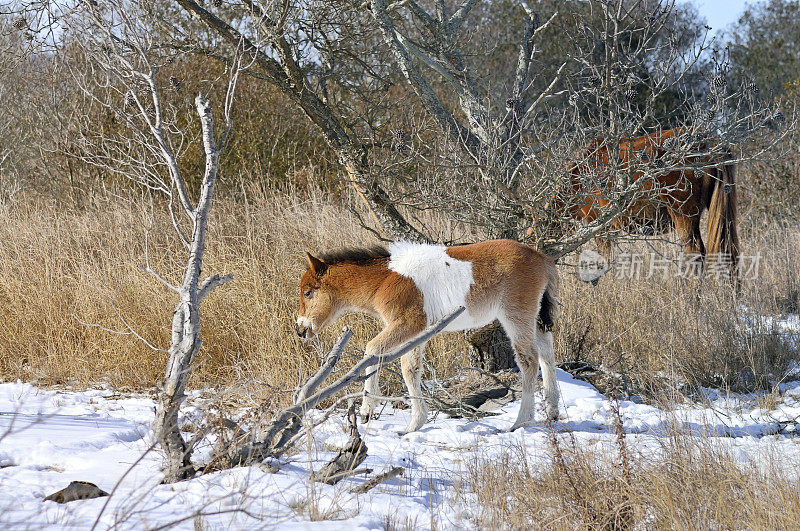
[327,285]
[318,305]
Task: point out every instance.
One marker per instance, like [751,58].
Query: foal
[410,286]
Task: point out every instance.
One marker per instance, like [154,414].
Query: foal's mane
[354,255]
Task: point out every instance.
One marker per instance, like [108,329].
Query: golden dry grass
[685,481]
[683,331]
[694,483]
[63,267]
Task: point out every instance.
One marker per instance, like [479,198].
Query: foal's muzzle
[303,328]
[302,331]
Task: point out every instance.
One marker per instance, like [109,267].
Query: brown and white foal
[410,286]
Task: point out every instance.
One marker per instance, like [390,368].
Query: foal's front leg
[411,363]
[391,337]
[368,401]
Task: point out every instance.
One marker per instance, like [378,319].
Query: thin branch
[460,15]
[207,285]
[158,277]
[130,331]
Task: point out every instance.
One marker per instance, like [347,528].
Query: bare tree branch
[269,439]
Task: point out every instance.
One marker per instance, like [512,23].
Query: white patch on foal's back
[443,281]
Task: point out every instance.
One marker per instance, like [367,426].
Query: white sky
[720,13]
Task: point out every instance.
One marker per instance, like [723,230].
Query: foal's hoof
[409,429]
[365,418]
[517,425]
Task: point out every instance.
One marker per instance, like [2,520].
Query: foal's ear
[317,266]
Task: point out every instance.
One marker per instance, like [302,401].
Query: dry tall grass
[671,331]
[62,267]
[693,483]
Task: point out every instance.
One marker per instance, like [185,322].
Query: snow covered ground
[52,437]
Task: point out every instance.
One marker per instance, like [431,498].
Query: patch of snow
[49,438]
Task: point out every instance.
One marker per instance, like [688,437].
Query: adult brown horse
[705,179]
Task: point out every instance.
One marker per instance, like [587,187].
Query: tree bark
[184,347]
[186,342]
[490,348]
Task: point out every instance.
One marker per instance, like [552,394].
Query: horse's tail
[548,310]
[723,237]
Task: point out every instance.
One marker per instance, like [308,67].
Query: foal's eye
[307,294]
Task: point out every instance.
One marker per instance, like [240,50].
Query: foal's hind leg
[522,338]
[547,361]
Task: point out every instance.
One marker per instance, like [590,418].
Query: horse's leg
[547,361]
[411,365]
[527,356]
[688,229]
[368,401]
[390,337]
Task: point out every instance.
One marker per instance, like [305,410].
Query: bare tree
[120,74]
[626,68]
[15,130]
[289,45]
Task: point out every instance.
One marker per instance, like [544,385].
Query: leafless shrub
[771,184]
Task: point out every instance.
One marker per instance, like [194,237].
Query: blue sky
[720,13]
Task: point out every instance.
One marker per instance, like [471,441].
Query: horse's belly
[469,320]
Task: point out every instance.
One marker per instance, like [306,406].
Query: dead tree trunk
[123,79]
[186,341]
[490,349]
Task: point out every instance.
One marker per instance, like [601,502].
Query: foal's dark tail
[548,310]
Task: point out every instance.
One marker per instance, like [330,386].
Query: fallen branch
[473,406]
[377,480]
[270,439]
[470,406]
[348,458]
[334,478]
